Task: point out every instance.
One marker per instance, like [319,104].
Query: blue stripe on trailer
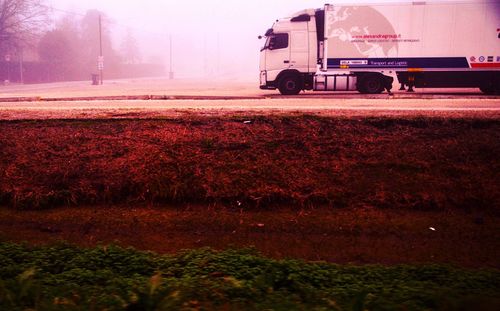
[413,62]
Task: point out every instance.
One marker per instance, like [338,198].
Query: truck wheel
[490,88]
[290,85]
[371,84]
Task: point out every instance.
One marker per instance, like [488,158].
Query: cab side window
[279,41]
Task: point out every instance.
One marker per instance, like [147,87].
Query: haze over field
[59,40]
[216,38]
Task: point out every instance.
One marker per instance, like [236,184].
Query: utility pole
[100,61]
[7,59]
[205,61]
[171,72]
[21,70]
[218,54]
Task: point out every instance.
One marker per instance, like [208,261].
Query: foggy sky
[211,38]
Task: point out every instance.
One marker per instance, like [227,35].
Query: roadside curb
[126,97]
[254,97]
[19,99]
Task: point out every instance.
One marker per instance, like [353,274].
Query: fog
[213,39]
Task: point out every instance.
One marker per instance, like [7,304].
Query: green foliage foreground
[65,277]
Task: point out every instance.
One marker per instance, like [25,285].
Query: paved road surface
[146,98]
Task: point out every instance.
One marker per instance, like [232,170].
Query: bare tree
[56,50]
[130,49]
[20,22]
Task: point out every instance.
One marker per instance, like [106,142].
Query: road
[147,98]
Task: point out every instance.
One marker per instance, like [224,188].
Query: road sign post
[100,67]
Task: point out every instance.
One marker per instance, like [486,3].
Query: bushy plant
[69,278]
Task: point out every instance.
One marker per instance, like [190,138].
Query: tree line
[34,48]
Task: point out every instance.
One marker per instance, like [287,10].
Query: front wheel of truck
[290,84]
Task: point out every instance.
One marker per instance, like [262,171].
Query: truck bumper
[267,87]
[264,84]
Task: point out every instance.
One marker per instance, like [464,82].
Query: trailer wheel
[290,84]
[371,84]
[490,88]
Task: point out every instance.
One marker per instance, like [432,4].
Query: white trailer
[363,47]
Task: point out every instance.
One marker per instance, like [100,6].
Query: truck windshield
[266,44]
[276,41]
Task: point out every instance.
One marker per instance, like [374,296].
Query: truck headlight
[263,78]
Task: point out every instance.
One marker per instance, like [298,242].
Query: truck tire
[490,88]
[371,84]
[290,84]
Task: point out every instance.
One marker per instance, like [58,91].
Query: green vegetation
[64,277]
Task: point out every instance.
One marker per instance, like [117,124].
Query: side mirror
[260,37]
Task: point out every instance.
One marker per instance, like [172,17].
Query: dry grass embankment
[390,162]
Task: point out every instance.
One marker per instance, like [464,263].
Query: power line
[62,11]
[140,30]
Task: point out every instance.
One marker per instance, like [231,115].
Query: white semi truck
[363,48]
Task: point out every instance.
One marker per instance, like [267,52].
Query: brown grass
[390,162]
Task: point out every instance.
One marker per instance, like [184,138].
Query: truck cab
[292,58]
[288,59]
